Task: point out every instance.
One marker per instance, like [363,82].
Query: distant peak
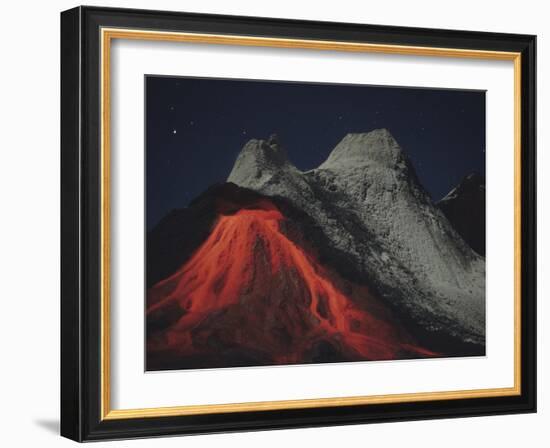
[378,146]
[471,181]
[473,178]
[468,185]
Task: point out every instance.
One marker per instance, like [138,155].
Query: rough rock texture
[370,207]
[464,207]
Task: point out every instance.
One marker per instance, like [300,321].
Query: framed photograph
[274,224]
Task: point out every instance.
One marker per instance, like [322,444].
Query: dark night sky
[195,129]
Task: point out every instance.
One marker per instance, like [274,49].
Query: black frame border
[81,224]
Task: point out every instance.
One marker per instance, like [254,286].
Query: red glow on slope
[250,286]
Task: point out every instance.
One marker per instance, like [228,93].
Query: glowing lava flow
[250,289]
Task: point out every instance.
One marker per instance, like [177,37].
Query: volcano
[350,261]
[251,295]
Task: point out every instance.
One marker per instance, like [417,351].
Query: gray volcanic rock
[263,166]
[368,202]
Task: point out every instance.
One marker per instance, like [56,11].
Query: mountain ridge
[367,199]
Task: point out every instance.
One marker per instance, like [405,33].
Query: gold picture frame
[118,26]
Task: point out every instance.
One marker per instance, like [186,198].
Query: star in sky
[320,118]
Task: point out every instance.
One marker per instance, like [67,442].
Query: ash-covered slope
[368,202]
[464,207]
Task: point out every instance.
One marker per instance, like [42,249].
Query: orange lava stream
[252,275]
